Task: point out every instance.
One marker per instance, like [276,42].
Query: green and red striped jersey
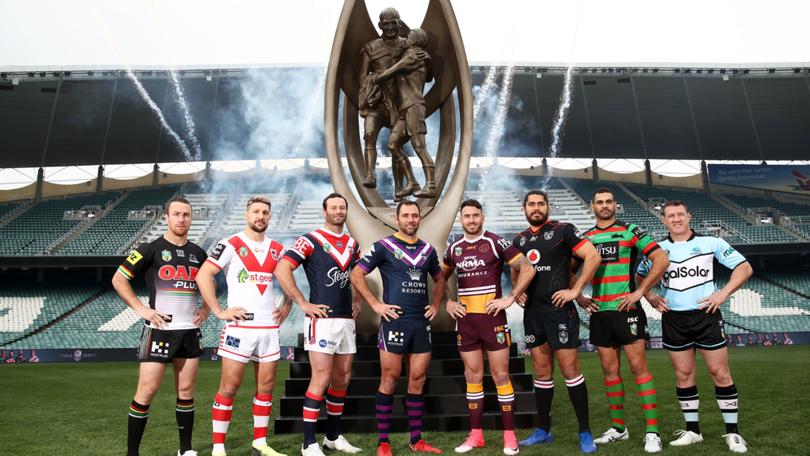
[619,245]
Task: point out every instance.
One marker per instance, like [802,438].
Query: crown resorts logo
[414,274]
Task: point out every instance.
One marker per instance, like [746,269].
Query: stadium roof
[86,34]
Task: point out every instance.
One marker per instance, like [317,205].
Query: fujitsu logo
[335,275]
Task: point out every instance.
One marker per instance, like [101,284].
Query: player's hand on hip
[281,313]
[587,303]
[232,313]
[658,302]
[561,297]
[455,309]
[712,302]
[155,318]
[386,311]
[315,310]
[495,306]
[355,309]
[200,315]
[628,301]
[431,311]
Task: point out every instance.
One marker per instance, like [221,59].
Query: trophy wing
[359,31]
[443,57]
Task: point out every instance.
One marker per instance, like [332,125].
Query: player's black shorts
[693,329]
[478,330]
[403,336]
[559,328]
[611,328]
[162,346]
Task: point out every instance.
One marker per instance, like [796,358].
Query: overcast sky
[203,33]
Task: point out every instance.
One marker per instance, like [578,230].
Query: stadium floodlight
[15,81]
[725,77]
[209,78]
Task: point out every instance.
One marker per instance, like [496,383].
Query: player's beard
[336,220]
[539,221]
[478,229]
[408,229]
[610,214]
[256,229]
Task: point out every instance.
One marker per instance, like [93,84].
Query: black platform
[444,394]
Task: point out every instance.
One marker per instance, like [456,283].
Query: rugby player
[327,255]
[477,257]
[405,261]
[171,333]
[251,331]
[550,320]
[691,319]
[617,318]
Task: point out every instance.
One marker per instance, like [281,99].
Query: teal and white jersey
[690,275]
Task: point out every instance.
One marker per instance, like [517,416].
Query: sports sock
[334,411]
[312,409]
[689,400]
[221,414]
[578,393]
[506,400]
[543,395]
[138,414]
[385,408]
[414,407]
[475,404]
[647,397]
[614,390]
[262,406]
[728,401]
[184,414]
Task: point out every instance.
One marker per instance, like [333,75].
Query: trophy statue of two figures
[379,79]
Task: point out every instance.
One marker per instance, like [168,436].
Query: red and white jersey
[249,268]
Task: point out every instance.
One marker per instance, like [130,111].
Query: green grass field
[81,409]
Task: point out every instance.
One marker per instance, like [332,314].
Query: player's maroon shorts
[477,330]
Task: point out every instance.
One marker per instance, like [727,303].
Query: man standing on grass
[251,332]
[618,320]
[550,320]
[172,334]
[477,258]
[691,319]
[405,261]
[328,256]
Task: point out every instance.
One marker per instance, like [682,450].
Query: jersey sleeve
[447,259]
[356,256]
[506,249]
[727,255]
[643,241]
[372,259]
[572,239]
[221,255]
[643,267]
[434,268]
[138,261]
[300,251]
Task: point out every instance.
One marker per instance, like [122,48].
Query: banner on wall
[778,178]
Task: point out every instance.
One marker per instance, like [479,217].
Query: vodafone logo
[533,256]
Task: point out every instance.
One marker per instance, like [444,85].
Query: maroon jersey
[478,264]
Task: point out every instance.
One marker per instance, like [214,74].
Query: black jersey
[549,249]
[169,271]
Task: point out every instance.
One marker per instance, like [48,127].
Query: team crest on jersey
[548,235]
[326,247]
[457,251]
[484,248]
[193,259]
[398,254]
[339,244]
[533,238]
[274,254]
[522,241]
[500,337]
[166,255]
[243,251]
[695,250]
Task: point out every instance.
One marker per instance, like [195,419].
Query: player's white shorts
[334,336]
[243,344]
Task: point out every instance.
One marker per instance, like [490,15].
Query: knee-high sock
[136,424]
[221,414]
[414,408]
[475,404]
[262,406]
[312,409]
[614,390]
[578,393]
[184,414]
[334,410]
[543,395]
[689,400]
[506,399]
[647,397]
[728,401]
[385,408]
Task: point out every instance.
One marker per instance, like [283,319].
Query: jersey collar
[534,230]
[692,236]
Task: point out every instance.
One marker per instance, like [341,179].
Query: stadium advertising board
[779,178]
